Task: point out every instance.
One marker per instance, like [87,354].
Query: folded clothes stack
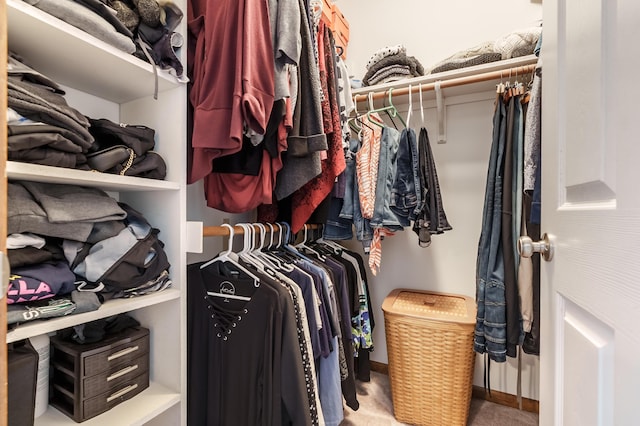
[391,64]
[145,28]
[511,45]
[42,128]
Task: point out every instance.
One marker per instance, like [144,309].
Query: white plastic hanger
[421,106]
[410,107]
[442,113]
[229,256]
[248,254]
[279,264]
[258,252]
[303,245]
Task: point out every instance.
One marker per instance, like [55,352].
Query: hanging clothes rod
[222,231]
[507,73]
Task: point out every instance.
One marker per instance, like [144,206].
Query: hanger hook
[272,229]
[421,106]
[280,235]
[252,232]
[394,111]
[244,237]
[248,240]
[288,231]
[231,235]
[370,98]
[305,234]
[263,234]
[410,106]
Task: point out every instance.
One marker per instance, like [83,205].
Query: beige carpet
[376,409]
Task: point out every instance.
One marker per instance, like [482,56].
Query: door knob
[526,247]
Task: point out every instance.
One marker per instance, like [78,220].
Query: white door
[590,302]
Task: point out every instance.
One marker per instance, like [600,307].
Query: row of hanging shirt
[390,183]
[274,333]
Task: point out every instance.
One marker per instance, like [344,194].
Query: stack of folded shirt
[42,127]
[391,64]
[71,247]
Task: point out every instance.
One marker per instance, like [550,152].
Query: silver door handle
[526,247]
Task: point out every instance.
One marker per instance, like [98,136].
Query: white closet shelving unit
[104,82]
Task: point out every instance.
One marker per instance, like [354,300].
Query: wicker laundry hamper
[431,358]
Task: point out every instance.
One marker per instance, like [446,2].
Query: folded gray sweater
[87,20]
[38,103]
[63,211]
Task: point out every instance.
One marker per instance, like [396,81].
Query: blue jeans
[405,193]
[351,210]
[335,227]
[490,332]
[329,387]
[383,216]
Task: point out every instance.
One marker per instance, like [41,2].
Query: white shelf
[109,308]
[74,58]
[138,410]
[476,87]
[105,181]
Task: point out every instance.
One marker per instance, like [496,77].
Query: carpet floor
[376,408]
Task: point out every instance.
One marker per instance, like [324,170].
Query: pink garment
[238,193]
[375,253]
[367,160]
[230,59]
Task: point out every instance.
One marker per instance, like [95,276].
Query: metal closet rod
[222,231]
[457,81]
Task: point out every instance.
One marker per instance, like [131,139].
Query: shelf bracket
[442,113]
[194,237]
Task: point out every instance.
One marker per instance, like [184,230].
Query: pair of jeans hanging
[490,331]
[431,217]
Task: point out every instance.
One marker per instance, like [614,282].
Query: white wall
[197,211]
[431,31]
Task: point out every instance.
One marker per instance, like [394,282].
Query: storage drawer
[327,13]
[111,379]
[99,404]
[115,356]
[340,23]
[340,29]
[88,360]
[89,379]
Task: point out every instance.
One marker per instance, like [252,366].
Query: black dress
[235,351]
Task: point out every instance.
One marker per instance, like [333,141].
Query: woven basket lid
[431,305]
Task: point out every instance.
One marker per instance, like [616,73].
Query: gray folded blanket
[454,64]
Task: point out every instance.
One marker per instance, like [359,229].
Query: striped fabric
[367,165]
[375,254]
